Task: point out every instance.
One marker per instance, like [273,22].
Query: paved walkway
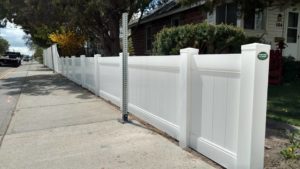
[10,89]
[58,125]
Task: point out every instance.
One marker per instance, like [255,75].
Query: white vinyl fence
[215,104]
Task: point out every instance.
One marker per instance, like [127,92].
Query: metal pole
[125,68]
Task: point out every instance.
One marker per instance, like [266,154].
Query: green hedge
[206,37]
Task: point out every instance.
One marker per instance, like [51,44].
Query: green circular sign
[262,56]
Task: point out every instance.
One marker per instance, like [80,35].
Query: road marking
[6,73]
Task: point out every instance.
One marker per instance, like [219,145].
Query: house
[273,23]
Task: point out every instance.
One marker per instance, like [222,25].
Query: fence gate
[228,104]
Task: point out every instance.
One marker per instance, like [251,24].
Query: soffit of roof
[172,7]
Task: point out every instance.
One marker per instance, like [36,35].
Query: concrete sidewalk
[59,125]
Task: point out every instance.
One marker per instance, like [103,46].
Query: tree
[4,45]
[98,20]
[38,54]
[37,18]
[70,43]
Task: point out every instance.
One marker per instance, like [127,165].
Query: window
[254,20]
[175,22]
[148,38]
[227,14]
[292,27]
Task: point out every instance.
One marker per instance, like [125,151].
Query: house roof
[169,8]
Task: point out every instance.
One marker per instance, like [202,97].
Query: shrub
[69,43]
[130,46]
[206,37]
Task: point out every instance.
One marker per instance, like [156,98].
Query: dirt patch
[276,140]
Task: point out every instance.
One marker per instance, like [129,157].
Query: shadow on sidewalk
[43,85]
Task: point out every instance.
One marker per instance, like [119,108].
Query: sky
[14,35]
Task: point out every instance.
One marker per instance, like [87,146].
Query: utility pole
[124,105]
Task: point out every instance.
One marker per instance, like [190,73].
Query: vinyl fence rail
[215,104]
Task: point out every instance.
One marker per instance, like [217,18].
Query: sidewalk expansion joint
[45,106]
[60,127]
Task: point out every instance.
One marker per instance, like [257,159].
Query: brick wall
[194,15]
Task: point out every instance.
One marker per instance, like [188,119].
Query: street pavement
[9,93]
[59,125]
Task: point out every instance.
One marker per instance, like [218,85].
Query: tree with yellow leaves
[69,42]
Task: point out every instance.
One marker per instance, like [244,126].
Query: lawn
[284,103]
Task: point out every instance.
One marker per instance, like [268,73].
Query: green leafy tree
[38,54]
[4,45]
[98,20]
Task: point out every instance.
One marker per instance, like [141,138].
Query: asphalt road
[11,81]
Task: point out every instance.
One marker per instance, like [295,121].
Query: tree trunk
[111,41]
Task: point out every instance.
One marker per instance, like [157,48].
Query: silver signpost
[124,106]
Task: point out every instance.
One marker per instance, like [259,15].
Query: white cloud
[14,35]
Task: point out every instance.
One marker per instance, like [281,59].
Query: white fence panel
[69,67]
[60,65]
[110,79]
[76,69]
[154,91]
[55,54]
[63,66]
[51,58]
[48,58]
[215,106]
[90,74]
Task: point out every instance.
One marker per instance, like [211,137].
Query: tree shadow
[43,85]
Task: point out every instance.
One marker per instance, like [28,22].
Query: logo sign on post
[262,56]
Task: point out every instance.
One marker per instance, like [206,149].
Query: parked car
[26,58]
[11,58]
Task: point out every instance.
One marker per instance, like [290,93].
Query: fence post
[73,77]
[64,66]
[56,58]
[253,106]
[185,89]
[96,73]
[61,64]
[82,66]
[67,66]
